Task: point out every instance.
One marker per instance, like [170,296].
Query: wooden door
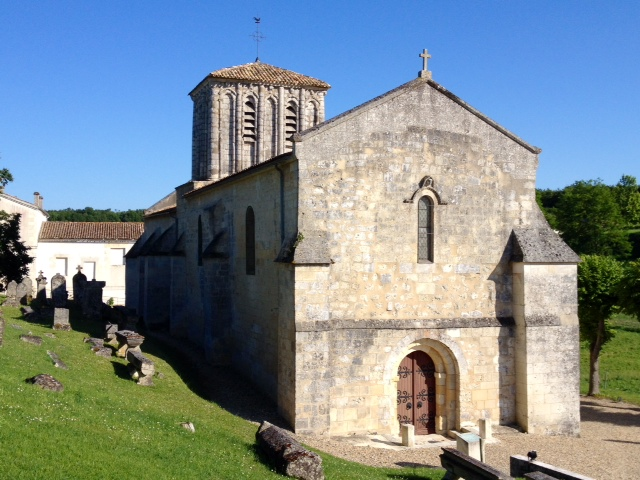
[417,392]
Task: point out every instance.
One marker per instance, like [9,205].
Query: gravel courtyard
[608,447]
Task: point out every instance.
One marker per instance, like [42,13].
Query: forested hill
[89,214]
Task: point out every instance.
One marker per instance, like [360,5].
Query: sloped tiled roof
[264,73]
[105,231]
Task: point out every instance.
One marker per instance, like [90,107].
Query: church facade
[387,266]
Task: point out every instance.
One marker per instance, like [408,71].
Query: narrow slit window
[425,230]
[250,243]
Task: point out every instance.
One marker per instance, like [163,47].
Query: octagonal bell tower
[245,115]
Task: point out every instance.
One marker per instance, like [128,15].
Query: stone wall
[347,374]
[547,348]
[360,183]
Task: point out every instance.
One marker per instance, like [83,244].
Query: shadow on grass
[121,370]
[219,384]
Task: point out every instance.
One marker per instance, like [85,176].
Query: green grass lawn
[105,426]
[619,362]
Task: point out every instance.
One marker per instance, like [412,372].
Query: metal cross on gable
[425,58]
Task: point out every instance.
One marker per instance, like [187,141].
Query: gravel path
[608,447]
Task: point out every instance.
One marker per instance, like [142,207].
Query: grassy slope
[619,363]
[105,426]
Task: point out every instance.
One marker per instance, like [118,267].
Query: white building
[61,247]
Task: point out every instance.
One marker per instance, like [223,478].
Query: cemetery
[122,354]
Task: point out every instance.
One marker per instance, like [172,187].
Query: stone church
[389,265]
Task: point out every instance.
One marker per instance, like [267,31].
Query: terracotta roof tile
[104,231]
[268,74]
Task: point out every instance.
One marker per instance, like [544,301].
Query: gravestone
[61,319]
[29,286]
[59,292]
[11,300]
[92,299]
[41,295]
[79,285]
[23,293]
[46,382]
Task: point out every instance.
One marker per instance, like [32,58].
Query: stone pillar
[408,435]
[281,121]
[469,443]
[547,349]
[42,288]
[239,157]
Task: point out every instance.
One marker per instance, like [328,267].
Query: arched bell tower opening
[427,388]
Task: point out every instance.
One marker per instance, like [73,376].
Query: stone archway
[446,373]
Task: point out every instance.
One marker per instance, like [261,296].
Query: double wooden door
[417,392]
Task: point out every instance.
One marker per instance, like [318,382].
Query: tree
[627,195]
[548,202]
[598,283]
[590,221]
[629,289]
[14,255]
[5,177]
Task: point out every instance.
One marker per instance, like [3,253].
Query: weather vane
[258,37]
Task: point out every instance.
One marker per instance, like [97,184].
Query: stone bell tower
[245,115]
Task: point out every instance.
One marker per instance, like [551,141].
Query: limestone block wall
[547,348]
[224,143]
[234,314]
[361,177]
[347,374]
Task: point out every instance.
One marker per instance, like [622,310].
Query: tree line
[89,214]
[602,224]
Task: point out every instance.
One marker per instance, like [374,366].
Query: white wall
[50,255]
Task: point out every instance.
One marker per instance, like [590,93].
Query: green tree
[548,202]
[598,283]
[629,289]
[89,214]
[627,195]
[590,221]
[14,255]
[5,177]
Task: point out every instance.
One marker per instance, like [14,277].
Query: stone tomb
[11,300]
[41,281]
[59,292]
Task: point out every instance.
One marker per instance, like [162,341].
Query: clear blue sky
[94,108]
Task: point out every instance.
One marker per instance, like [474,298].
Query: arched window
[425,230]
[249,133]
[250,243]
[291,124]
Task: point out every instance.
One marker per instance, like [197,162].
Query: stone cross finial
[425,58]
[79,269]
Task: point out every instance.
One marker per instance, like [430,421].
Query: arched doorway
[417,392]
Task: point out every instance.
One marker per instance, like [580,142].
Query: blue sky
[94,108]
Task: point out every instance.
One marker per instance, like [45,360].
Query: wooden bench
[459,465]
